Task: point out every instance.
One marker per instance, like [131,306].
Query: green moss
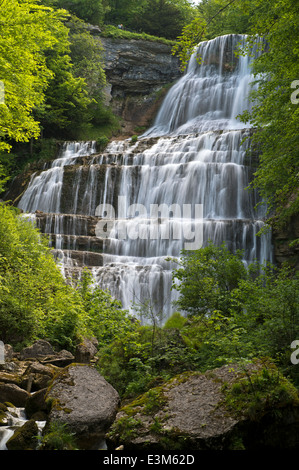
[58,437]
[254,395]
[125,428]
[3,418]
[148,403]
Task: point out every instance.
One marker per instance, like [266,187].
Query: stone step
[76,259]
[76,242]
[68,224]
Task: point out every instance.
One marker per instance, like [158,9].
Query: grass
[110,31]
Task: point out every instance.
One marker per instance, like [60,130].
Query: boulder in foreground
[234,407]
[85,402]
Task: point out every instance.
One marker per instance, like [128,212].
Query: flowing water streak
[44,190]
[193,155]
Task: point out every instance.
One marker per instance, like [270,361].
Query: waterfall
[125,211]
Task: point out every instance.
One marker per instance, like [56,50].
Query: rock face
[136,71]
[211,411]
[85,402]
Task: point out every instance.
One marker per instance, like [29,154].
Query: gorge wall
[138,73]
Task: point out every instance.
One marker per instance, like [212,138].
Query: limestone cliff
[138,72]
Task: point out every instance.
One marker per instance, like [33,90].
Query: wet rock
[24,438]
[137,71]
[37,405]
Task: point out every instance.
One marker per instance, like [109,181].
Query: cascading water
[181,184]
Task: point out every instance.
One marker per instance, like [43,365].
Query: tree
[125,12]
[273,113]
[236,313]
[211,18]
[206,278]
[225,17]
[165,18]
[27,30]
[66,103]
[187,42]
[36,301]
[91,11]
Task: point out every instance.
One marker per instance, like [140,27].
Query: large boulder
[229,408]
[83,401]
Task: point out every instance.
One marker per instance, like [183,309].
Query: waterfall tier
[125,211]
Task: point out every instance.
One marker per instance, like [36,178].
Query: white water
[212,93]
[198,159]
[44,190]
[16,417]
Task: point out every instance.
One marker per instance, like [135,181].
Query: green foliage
[67,101]
[104,317]
[32,285]
[57,437]
[35,300]
[225,17]
[237,313]
[206,278]
[186,43]
[162,18]
[28,30]
[265,388]
[212,18]
[111,31]
[273,114]
[175,321]
[91,11]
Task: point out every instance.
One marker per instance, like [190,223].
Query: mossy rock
[241,406]
[3,418]
[24,438]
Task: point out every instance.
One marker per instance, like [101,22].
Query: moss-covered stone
[24,438]
[234,407]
